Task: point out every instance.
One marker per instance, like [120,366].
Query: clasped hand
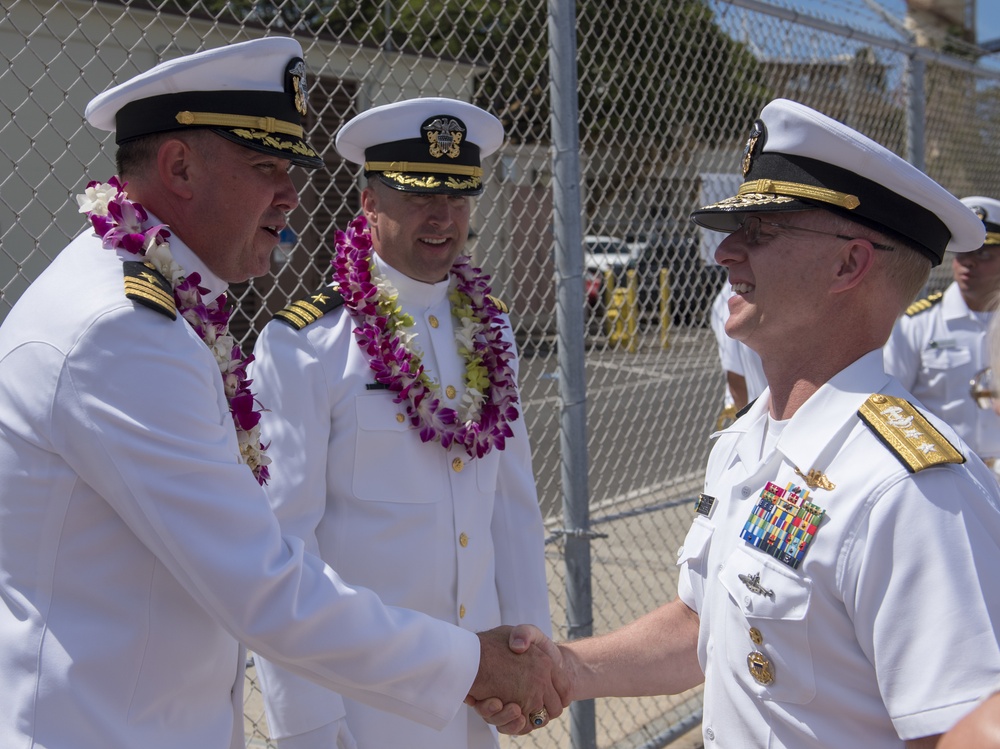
[520,672]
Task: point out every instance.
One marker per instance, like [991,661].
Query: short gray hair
[905,269]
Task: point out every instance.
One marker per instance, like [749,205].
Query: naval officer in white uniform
[837,585]
[138,553]
[939,346]
[420,489]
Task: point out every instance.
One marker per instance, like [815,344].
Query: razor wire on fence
[665,92]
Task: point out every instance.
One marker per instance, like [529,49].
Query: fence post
[916,99]
[665,308]
[567,228]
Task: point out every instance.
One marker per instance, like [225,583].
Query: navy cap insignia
[295,83]
[444,135]
[756,133]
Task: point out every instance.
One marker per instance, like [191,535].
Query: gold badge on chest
[760,667]
[758,664]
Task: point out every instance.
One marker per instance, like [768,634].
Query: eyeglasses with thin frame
[751,232]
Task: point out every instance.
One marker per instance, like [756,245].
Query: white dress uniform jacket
[136,552]
[425,527]
[887,629]
[935,352]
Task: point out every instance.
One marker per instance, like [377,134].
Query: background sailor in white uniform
[451,525]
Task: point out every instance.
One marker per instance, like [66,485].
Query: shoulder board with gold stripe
[147,286]
[312,308]
[498,303]
[907,434]
[924,304]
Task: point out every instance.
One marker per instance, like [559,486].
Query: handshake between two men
[521,683]
[525,679]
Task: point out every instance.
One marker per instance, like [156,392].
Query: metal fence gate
[663,92]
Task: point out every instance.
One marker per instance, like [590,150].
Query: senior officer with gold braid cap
[837,584]
[417,487]
[939,347]
[138,552]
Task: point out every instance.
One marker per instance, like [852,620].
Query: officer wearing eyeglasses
[938,348]
[838,583]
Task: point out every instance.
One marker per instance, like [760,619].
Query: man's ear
[369,206]
[174,164]
[856,258]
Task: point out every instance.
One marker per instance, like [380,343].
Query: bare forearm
[980,728]
[655,654]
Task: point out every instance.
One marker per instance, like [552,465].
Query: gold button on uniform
[450,391]
[400,418]
[433,321]
[463,540]
[457,465]
[461,611]
[755,636]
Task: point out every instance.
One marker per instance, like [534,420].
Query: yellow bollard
[665,316]
[623,314]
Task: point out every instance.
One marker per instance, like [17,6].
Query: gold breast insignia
[816,479]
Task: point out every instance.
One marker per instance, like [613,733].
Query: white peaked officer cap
[797,159]
[988,211]
[427,145]
[252,93]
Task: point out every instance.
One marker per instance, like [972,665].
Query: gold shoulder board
[924,304]
[147,286]
[907,434]
[309,310]
[498,303]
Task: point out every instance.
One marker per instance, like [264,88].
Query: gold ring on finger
[538,717]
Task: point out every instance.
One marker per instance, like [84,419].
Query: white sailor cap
[797,159]
[253,93]
[988,210]
[428,145]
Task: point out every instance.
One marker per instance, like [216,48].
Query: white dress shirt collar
[415,293]
[830,409]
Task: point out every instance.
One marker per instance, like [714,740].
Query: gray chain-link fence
[666,92]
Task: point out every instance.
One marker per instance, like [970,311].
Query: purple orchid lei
[482,420]
[119,222]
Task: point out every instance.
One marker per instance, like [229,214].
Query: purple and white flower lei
[482,422]
[119,222]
